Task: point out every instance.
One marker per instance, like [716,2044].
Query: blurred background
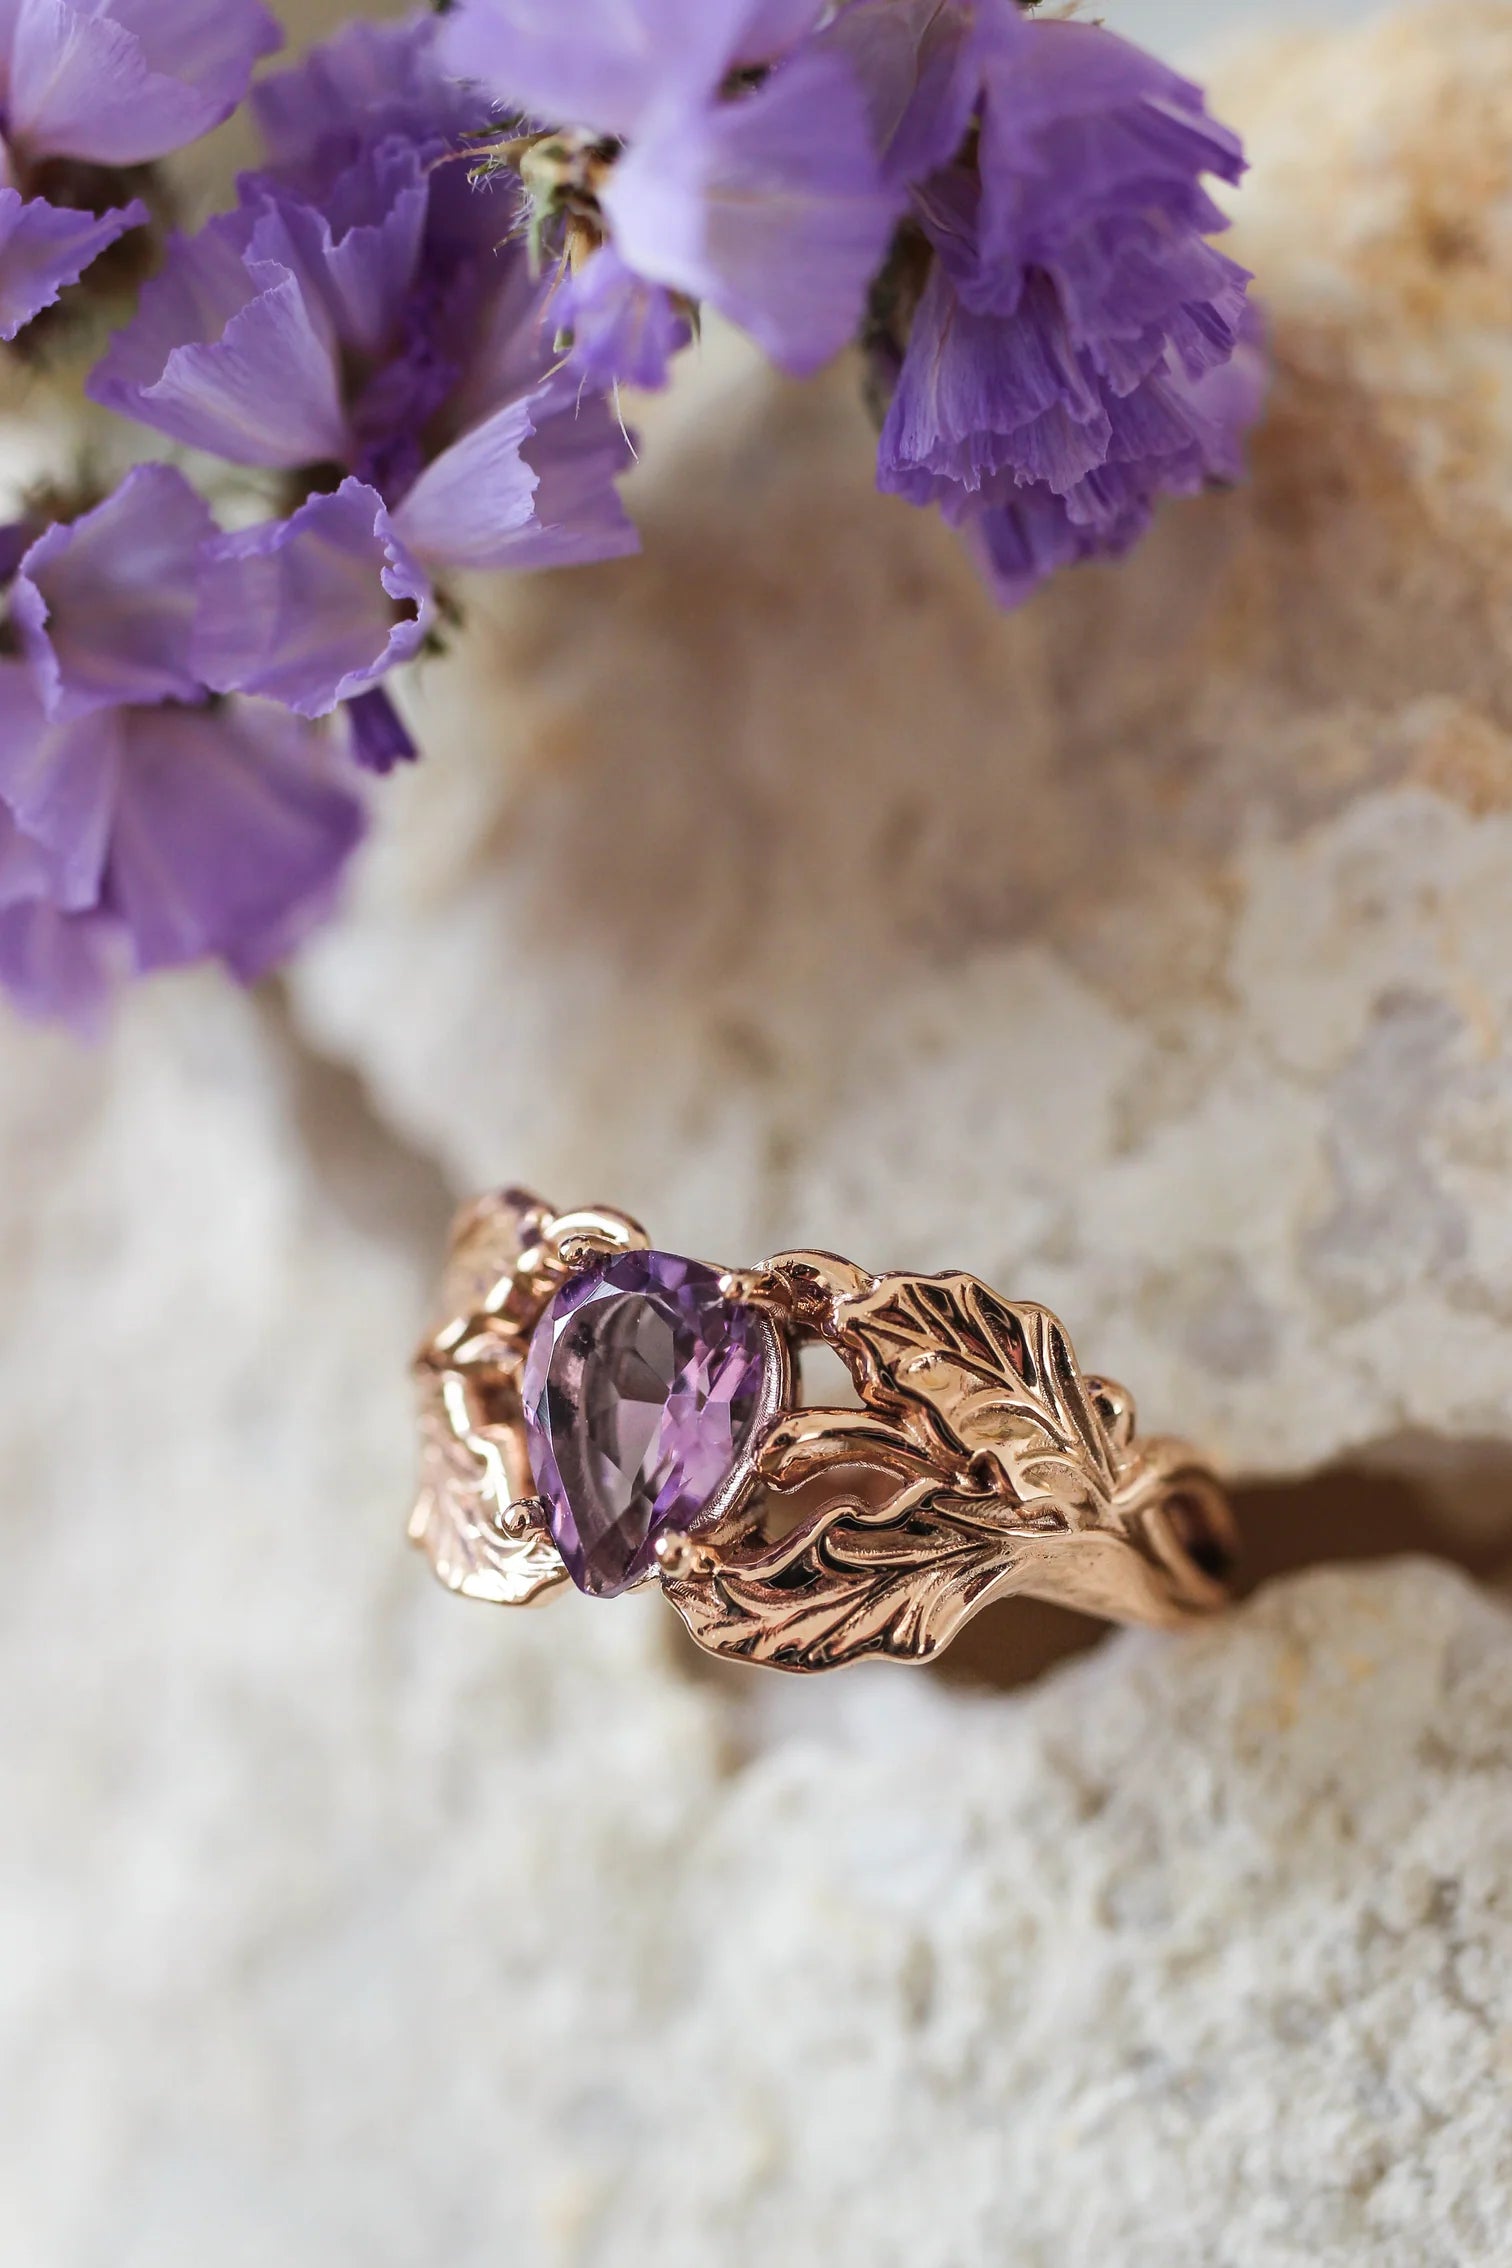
[1146,951]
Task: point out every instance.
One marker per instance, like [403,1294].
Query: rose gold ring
[598,1413]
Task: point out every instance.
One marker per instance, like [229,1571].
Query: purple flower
[143,824]
[312,610]
[1057,343]
[364,325]
[707,150]
[86,93]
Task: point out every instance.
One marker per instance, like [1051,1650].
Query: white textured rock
[341,1921]
[1149,952]
[264,1788]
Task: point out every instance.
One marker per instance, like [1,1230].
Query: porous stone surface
[267,1792]
[344,1922]
[1148,952]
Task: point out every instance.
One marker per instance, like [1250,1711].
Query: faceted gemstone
[642,1390]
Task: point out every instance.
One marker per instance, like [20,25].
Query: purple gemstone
[643,1390]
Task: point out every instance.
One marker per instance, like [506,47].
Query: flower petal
[44,247]
[577,455]
[61,967]
[979,394]
[211,45]
[768,28]
[919,66]
[58,783]
[229,354]
[26,870]
[625,331]
[130,80]
[1079,126]
[312,610]
[104,605]
[515,349]
[356,254]
[532,486]
[230,837]
[1020,544]
[771,207]
[600,63]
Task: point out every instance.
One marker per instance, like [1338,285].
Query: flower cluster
[91,93]
[405,344]
[1008,210]
[143,822]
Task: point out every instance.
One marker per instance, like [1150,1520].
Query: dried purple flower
[1056,342]
[144,825]
[701,150]
[89,94]
[365,324]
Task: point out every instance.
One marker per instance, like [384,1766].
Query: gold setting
[981,1462]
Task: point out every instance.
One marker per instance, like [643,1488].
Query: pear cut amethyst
[644,1390]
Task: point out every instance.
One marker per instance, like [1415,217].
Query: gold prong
[594,1232]
[518,1519]
[680,1558]
[582,1250]
[755,1287]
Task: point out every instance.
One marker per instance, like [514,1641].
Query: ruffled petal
[358,253]
[46,247]
[577,455]
[1080,127]
[105,604]
[230,838]
[979,394]
[128,81]
[229,354]
[515,347]
[532,486]
[202,284]
[771,207]
[1020,544]
[312,610]
[475,505]
[211,45]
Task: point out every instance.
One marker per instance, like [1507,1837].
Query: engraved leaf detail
[980,1447]
[464,1489]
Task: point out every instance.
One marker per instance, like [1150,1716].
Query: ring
[594,1412]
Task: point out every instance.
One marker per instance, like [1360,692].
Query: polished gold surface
[980,1462]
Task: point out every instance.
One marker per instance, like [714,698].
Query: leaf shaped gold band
[595,1412]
